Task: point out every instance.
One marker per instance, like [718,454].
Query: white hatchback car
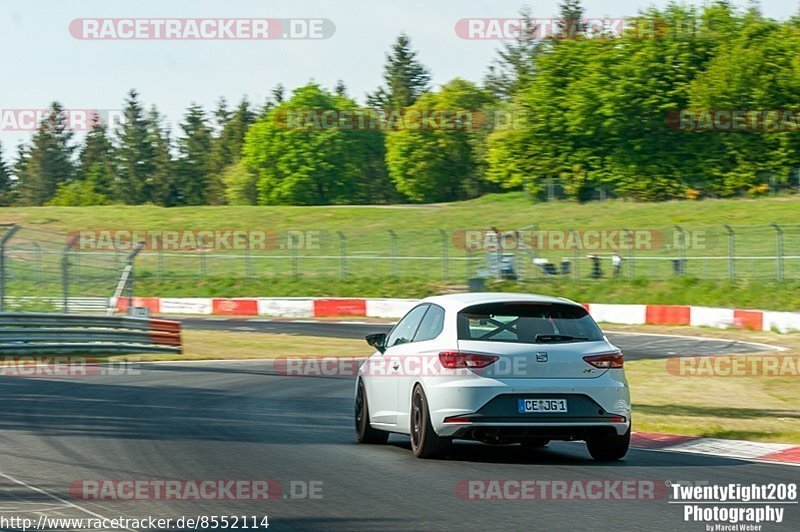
[497,368]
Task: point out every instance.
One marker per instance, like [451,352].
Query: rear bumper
[494,433]
[595,407]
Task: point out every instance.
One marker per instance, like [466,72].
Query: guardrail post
[445,255]
[6,236]
[342,255]
[731,252]
[393,248]
[779,251]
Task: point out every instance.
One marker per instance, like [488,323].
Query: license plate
[538,406]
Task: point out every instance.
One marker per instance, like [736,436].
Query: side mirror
[378,341]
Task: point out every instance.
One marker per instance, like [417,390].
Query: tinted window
[527,323]
[404,331]
[431,325]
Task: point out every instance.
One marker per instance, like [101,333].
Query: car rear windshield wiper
[546,338]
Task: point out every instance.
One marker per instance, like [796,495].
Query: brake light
[457,419]
[606,360]
[458,360]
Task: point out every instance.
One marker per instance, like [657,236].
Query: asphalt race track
[238,420]
[635,346]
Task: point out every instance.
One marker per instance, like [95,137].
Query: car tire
[535,443]
[608,448]
[364,432]
[425,443]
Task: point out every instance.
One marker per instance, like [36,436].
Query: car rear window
[527,323]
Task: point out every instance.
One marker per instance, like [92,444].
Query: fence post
[8,234]
[731,252]
[576,271]
[248,263]
[445,255]
[681,250]
[37,262]
[631,258]
[779,250]
[342,255]
[160,261]
[293,253]
[393,248]
[65,273]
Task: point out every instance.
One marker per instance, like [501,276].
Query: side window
[404,331]
[432,324]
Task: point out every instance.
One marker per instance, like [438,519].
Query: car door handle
[395,365]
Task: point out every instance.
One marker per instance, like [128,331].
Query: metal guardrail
[25,333]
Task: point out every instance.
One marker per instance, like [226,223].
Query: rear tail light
[457,419]
[458,360]
[606,360]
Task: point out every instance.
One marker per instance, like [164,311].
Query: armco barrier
[24,333]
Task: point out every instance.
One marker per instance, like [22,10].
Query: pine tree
[405,78]
[6,184]
[96,158]
[515,67]
[135,155]
[164,181]
[231,129]
[47,162]
[570,23]
[196,184]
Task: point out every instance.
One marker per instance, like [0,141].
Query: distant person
[616,263]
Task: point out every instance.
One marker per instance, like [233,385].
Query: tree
[96,158]
[570,23]
[47,161]
[135,155]
[302,159]
[196,183]
[165,189]
[405,78]
[438,161]
[515,66]
[227,143]
[6,183]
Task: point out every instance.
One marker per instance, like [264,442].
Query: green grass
[506,211]
[425,234]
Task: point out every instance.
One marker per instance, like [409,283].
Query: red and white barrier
[289,307]
[309,307]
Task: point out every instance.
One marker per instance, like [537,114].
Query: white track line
[56,497]
[706,338]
